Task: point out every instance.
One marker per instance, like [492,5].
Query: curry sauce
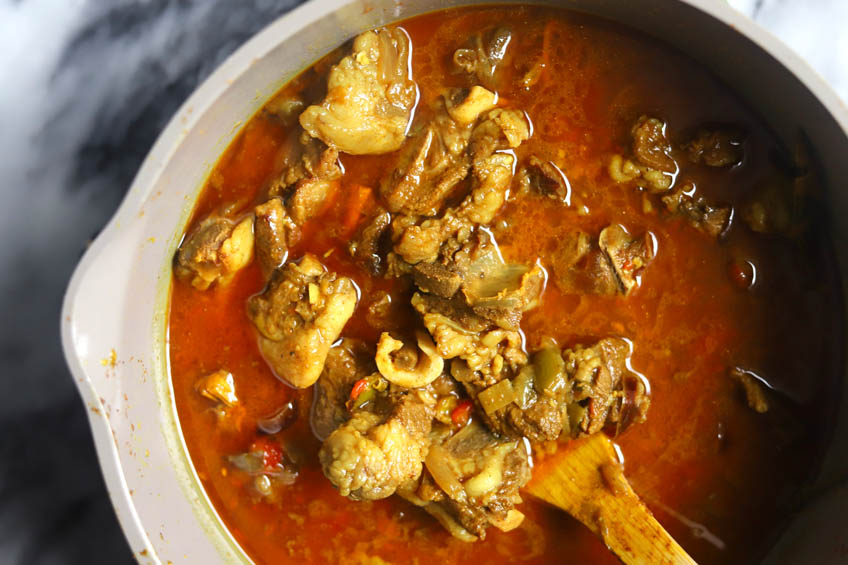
[721,476]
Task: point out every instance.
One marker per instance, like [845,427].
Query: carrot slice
[358,201]
[547,39]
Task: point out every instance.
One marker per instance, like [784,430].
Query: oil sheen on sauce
[717,475]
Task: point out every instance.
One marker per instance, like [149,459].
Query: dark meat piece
[309,180]
[273,231]
[436,278]
[434,161]
[484,55]
[384,313]
[652,167]
[299,316]
[346,363]
[603,390]
[470,517]
[545,178]
[504,293]
[495,290]
[455,309]
[367,246]
[423,176]
[579,266]
[472,481]
[628,255]
[506,318]
[487,350]
[720,147]
[416,240]
[326,167]
[712,220]
[480,323]
[311,160]
[650,145]
[542,421]
[600,276]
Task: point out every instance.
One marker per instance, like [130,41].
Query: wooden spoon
[586,479]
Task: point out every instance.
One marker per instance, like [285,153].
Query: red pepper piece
[358,387]
[460,414]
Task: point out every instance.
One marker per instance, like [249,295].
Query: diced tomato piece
[272,455]
[358,387]
[460,414]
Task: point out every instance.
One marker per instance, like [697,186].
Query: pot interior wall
[266,62]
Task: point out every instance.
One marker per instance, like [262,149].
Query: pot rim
[75,337]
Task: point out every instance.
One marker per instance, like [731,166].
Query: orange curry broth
[703,461]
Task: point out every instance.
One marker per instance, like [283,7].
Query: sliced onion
[438,463]
[496,396]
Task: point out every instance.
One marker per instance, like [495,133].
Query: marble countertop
[86,88]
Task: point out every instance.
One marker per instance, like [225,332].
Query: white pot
[114,318]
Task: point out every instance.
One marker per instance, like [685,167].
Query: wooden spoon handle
[586,479]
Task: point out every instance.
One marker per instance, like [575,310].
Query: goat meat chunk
[714,220]
[299,316]
[543,178]
[425,174]
[472,481]
[484,55]
[309,199]
[628,255]
[346,363]
[603,389]
[310,159]
[274,231]
[214,251]
[372,455]
[367,246]
[717,147]
[650,145]
[370,97]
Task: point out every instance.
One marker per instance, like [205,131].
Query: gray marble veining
[86,88]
